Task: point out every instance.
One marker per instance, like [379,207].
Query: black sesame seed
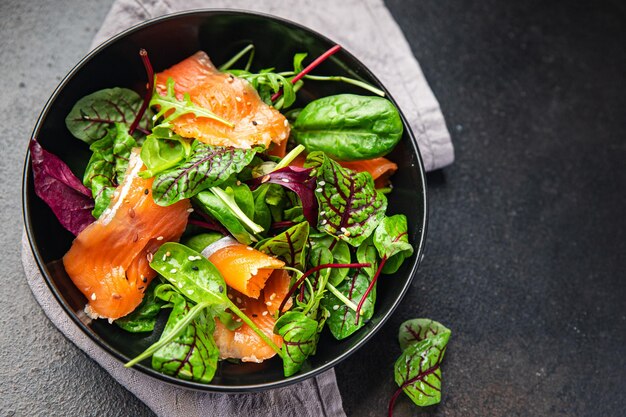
[254,122]
[146,191]
[220,288]
[255,315]
[144,279]
[195,268]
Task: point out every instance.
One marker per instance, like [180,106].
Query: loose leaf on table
[206,167]
[70,201]
[107,165]
[417,371]
[144,317]
[298,180]
[288,245]
[342,321]
[193,354]
[216,208]
[92,115]
[350,206]
[349,127]
[415,330]
[392,242]
[163,150]
[299,334]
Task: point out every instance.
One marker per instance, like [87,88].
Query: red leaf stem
[369,288]
[150,72]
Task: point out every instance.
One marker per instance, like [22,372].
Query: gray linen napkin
[365,28]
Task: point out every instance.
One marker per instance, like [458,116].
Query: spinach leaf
[350,206]
[144,317]
[342,321]
[58,187]
[299,334]
[215,207]
[107,165]
[262,213]
[289,245]
[415,330]
[92,116]
[392,242]
[206,167]
[349,127]
[243,197]
[417,371]
[193,354]
[171,108]
[163,150]
[201,241]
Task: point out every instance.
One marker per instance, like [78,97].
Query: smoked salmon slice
[109,260]
[380,168]
[232,98]
[244,269]
[243,343]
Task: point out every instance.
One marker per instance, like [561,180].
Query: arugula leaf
[107,165]
[92,116]
[415,330]
[206,167]
[58,187]
[342,321]
[215,207]
[289,245]
[144,317]
[350,206]
[171,108]
[417,371]
[392,242]
[193,354]
[299,334]
[267,83]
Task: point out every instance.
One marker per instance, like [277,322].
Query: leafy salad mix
[327,223]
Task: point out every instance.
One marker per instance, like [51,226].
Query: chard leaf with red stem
[417,371]
[415,330]
[298,180]
[299,334]
[93,115]
[288,245]
[350,206]
[54,182]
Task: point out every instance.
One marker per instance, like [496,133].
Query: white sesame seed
[164,257]
[322,183]
[269,303]
[230,296]
[160,238]
[319,190]
[347,233]
[93,296]
[190,210]
[167,253]
[173,270]
[286,122]
[180,285]
[264,313]
[190,292]
[336,307]
[191,258]
[323,222]
[238,99]
[238,300]
[238,320]
[322,213]
[343,229]
[284,179]
[273,296]
[249,248]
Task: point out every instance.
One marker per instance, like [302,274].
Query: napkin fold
[365,28]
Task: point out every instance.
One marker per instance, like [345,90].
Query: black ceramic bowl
[221,34]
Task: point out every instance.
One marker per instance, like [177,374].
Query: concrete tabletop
[527,234]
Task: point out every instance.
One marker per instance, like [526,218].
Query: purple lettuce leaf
[298,180]
[70,201]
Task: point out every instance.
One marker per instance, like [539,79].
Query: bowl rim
[301,376]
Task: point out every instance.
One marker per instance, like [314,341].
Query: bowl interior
[169,40]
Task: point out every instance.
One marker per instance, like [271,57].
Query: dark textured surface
[526,236]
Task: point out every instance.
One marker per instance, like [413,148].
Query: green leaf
[171,108]
[243,197]
[367,253]
[266,83]
[342,321]
[299,334]
[415,330]
[206,167]
[350,206]
[262,214]
[107,165]
[93,115]
[289,245]
[417,371]
[193,354]
[297,62]
[162,150]
[392,242]
[340,255]
[216,208]
[349,127]
[144,317]
[202,240]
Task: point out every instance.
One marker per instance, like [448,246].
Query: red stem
[369,288]
[419,376]
[150,72]
[392,402]
[207,225]
[309,68]
[284,223]
[311,271]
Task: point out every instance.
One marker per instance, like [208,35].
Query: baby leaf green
[144,317]
[299,334]
[415,330]
[288,245]
[392,242]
